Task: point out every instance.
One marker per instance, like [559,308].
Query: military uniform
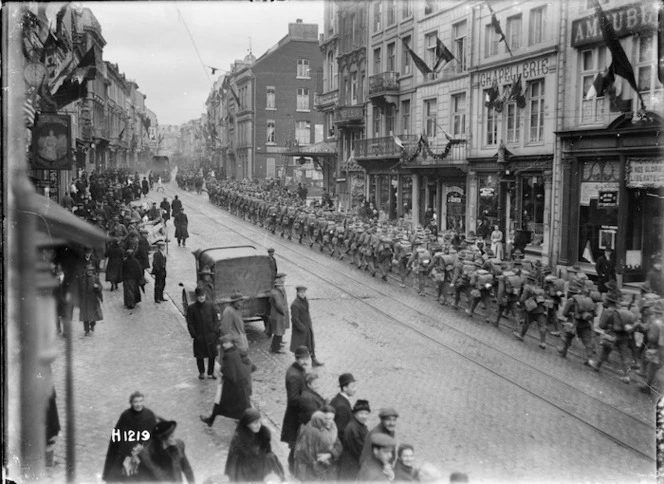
[532,302]
[481,282]
[580,312]
[420,262]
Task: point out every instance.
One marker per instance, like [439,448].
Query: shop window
[456,211]
[537,111]
[532,207]
[488,198]
[459,114]
[592,62]
[598,219]
[430,112]
[405,56]
[406,197]
[460,32]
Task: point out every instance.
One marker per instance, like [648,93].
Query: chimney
[299,21]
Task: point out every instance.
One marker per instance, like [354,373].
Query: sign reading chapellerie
[627,20]
[645,173]
[528,70]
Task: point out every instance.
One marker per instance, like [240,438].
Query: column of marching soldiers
[459,269]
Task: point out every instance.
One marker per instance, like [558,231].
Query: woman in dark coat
[235,378]
[181,223]
[132,280]
[250,456]
[352,441]
[318,448]
[310,400]
[90,299]
[114,265]
[164,459]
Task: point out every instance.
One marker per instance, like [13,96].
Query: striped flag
[419,63]
[29,113]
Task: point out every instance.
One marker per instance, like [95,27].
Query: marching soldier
[370,253]
[441,274]
[653,327]
[482,284]
[384,256]
[580,313]
[532,301]
[553,291]
[311,228]
[402,253]
[420,261]
[460,279]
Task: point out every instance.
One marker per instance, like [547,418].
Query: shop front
[615,198]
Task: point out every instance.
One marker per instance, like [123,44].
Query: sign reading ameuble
[645,173]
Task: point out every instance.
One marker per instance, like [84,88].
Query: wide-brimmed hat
[300,288]
[573,287]
[270,250]
[280,275]
[236,296]
[614,296]
[163,429]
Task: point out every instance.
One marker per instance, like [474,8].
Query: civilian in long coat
[181,223]
[204,328]
[164,458]
[89,299]
[318,448]
[387,425]
[143,252]
[310,400]
[279,314]
[176,206]
[235,384]
[114,265]
[166,207]
[352,441]
[295,385]
[232,322]
[303,332]
[132,279]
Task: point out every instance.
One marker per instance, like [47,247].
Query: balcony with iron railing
[383,147]
[345,115]
[382,84]
[444,154]
[327,99]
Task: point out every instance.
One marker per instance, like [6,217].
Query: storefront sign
[608,199]
[645,173]
[455,197]
[51,142]
[528,70]
[627,20]
[592,190]
[487,192]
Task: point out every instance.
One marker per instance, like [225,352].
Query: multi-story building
[611,167]
[268,106]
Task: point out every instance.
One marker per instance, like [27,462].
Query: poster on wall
[645,173]
[591,190]
[607,238]
[51,142]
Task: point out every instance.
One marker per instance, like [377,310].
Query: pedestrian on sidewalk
[90,299]
[114,264]
[176,206]
[377,466]
[204,328]
[352,441]
[232,322]
[404,469]
[310,400]
[164,458]
[250,456]
[143,252]
[303,331]
[279,313]
[121,462]
[159,271]
[132,280]
[233,394]
[318,448]
[273,261]
[341,401]
[145,187]
[387,426]
[165,210]
[181,223]
[295,385]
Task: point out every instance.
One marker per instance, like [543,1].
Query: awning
[57,226]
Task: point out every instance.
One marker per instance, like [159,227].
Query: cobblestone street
[471,398]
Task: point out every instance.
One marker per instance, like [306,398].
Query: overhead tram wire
[205,67]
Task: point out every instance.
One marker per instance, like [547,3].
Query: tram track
[638,425]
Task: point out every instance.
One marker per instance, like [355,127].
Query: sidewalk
[148,349]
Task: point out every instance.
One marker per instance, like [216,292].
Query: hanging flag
[492,94]
[516,94]
[146,125]
[87,67]
[442,53]
[621,65]
[237,98]
[29,113]
[588,254]
[421,65]
[499,30]
[68,92]
[601,83]
[122,132]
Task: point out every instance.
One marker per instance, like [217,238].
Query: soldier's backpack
[484,280]
[555,286]
[423,259]
[513,284]
[622,318]
[584,308]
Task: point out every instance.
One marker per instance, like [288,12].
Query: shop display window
[488,198]
[406,196]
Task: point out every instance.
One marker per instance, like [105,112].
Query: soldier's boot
[521,333]
[567,341]
[473,304]
[651,370]
[421,284]
[542,344]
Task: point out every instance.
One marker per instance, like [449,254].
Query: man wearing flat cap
[303,331]
[279,313]
[295,385]
[232,322]
[204,328]
[341,402]
[387,426]
[378,465]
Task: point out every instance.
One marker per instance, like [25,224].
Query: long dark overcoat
[352,441]
[181,223]
[295,385]
[114,265]
[143,253]
[235,385]
[90,298]
[166,207]
[132,277]
[303,332]
[279,313]
[307,404]
[204,327]
[344,412]
[250,457]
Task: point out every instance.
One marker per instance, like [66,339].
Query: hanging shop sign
[627,20]
[645,173]
[51,142]
[608,199]
[487,192]
[455,197]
